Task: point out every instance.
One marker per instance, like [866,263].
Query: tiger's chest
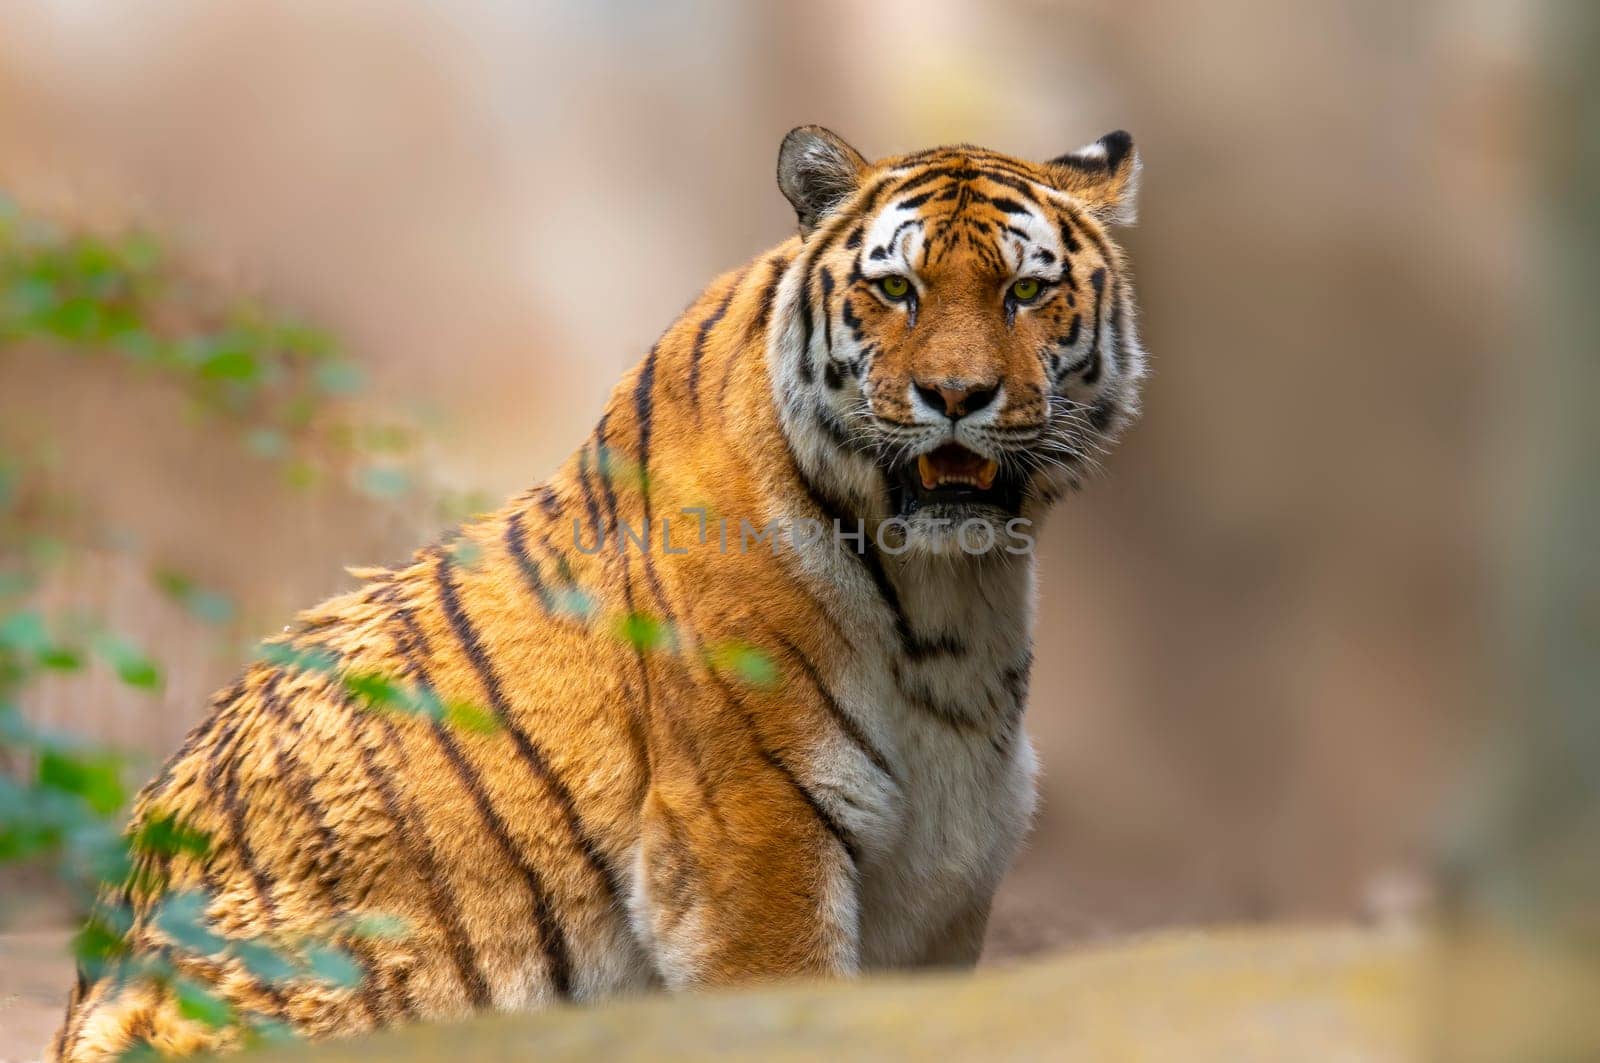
[946,705]
[960,814]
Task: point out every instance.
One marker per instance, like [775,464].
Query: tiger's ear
[817,171]
[1104,175]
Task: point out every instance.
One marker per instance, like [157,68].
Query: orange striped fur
[647,812]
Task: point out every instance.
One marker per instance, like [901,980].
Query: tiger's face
[959,340]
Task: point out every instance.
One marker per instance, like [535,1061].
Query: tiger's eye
[895,287]
[1025,290]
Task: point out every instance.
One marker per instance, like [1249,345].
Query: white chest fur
[962,817]
[937,679]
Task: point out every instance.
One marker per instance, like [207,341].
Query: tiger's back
[646,806]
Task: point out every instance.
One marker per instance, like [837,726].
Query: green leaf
[747,663]
[99,941]
[302,339]
[211,606]
[469,717]
[338,378]
[200,1004]
[375,926]
[230,363]
[575,602]
[182,917]
[140,1052]
[214,607]
[24,632]
[139,252]
[329,963]
[74,318]
[377,691]
[642,632]
[267,443]
[163,834]
[382,482]
[132,666]
[267,1031]
[301,475]
[139,672]
[15,582]
[96,779]
[60,658]
[466,553]
[172,583]
[263,961]
[309,659]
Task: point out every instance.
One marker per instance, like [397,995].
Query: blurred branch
[1524,969]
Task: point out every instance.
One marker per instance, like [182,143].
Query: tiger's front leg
[746,883]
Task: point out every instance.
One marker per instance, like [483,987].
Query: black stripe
[776,761]
[549,502]
[590,507]
[845,722]
[222,779]
[1009,206]
[757,327]
[564,571]
[915,647]
[327,852]
[775,267]
[1092,231]
[808,372]
[920,179]
[639,710]
[825,275]
[192,741]
[1069,239]
[462,953]
[647,702]
[929,704]
[1015,180]
[698,351]
[1071,338]
[1119,325]
[835,514]
[643,404]
[602,469]
[1097,280]
[847,314]
[830,508]
[450,601]
[644,411]
[516,545]
[1100,415]
[233,808]
[414,650]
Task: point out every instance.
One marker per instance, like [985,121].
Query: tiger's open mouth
[952,476]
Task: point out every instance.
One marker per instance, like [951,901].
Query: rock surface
[1266,994]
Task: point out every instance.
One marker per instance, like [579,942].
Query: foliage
[286,392]
[283,389]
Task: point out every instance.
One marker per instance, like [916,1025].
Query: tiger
[753,663]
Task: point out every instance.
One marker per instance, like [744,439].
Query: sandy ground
[35,973]
[1040,908]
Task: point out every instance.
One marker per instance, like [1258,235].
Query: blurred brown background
[1264,634]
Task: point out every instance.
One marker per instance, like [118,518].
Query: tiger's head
[955,338]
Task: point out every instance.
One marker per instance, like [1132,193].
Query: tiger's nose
[957,398]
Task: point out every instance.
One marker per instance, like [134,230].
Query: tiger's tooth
[930,478]
[986,474]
